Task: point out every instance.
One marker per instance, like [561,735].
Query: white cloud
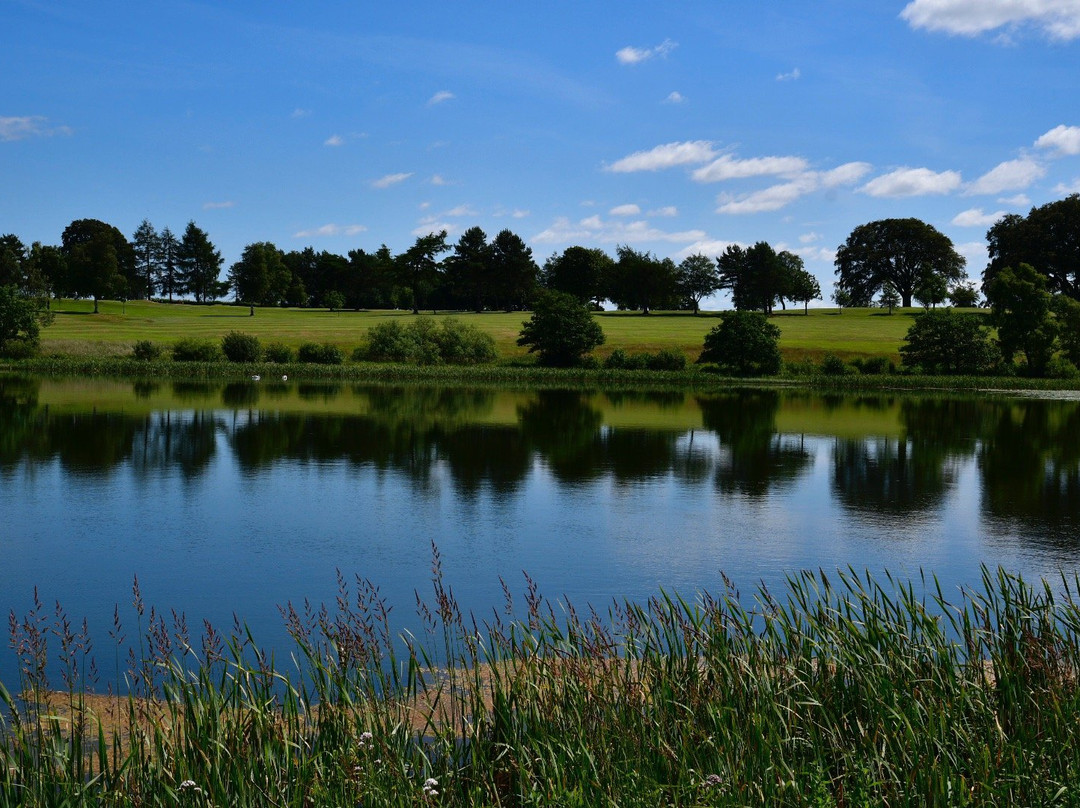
[1062,189]
[390,179]
[438,179]
[1018,201]
[711,248]
[976,218]
[440,97]
[218,205]
[431,226]
[518,213]
[625,210]
[669,155]
[675,98]
[1060,19]
[20,128]
[331,230]
[913,182]
[778,196]
[809,238]
[300,113]
[334,140]
[1012,175]
[792,76]
[667,211]
[772,198]
[596,230]
[727,167]
[461,210]
[1062,139]
[974,252]
[632,56]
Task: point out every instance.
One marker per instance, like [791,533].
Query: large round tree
[903,252]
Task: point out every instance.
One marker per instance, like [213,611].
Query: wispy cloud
[438,180]
[440,97]
[1018,201]
[28,126]
[461,210]
[430,225]
[1011,175]
[390,180]
[669,155]
[332,230]
[1066,189]
[727,167]
[913,182]
[976,218]
[596,230]
[625,210]
[632,56]
[218,205]
[794,75]
[1059,19]
[675,97]
[1063,140]
[781,195]
[667,211]
[300,113]
[334,140]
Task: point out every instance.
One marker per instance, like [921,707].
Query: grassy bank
[76,331]
[840,690]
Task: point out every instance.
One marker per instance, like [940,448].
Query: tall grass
[844,689]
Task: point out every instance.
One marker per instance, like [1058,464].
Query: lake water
[236,498]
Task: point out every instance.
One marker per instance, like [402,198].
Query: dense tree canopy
[199,264]
[579,271]
[640,280]
[902,251]
[21,318]
[100,261]
[1021,306]
[697,278]
[1047,239]
[744,344]
[758,277]
[561,330]
[944,342]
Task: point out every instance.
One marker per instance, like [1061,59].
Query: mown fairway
[77,331]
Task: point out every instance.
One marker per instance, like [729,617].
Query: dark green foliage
[833,365]
[944,342]
[579,271]
[239,347]
[260,277]
[1067,311]
[744,344]
[424,342]
[873,366]
[1048,239]
[278,353]
[909,253]
[146,351]
[698,277]
[964,296]
[21,319]
[640,280]
[334,300]
[561,330]
[320,354]
[198,265]
[666,359]
[1021,306]
[100,262]
[196,350]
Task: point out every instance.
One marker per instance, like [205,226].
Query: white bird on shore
[284,378]
[256,377]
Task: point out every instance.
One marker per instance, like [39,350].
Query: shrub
[146,350]
[833,365]
[561,330]
[279,353]
[744,344]
[1061,368]
[316,354]
[195,350]
[239,347]
[666,359]
[621,360]
[424,342]
[943,342]
[874,365]
[21,319]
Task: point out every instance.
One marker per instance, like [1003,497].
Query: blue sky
[672,127]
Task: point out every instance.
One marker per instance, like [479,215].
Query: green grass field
[76,331]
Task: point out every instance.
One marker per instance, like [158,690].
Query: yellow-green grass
[76,331]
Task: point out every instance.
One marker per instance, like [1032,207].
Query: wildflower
[431,787]
[714,781]
[365,739]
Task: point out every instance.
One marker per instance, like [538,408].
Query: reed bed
[844,689]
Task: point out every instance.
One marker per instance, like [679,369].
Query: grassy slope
[76,331]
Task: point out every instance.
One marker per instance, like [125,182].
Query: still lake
[235,498]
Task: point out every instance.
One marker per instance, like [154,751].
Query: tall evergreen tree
[167,272]
[199,265]
[147,245]
[514,274]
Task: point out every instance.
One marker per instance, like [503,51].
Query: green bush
[239,347]
[744,344]
[19,348]
[195,350]
[1061,368]
[621,360]
[874,365]
[666,359]
[833,365]
[561,330]
[146,350]
[424,342]
[943,342]
[279,353]
[316,354]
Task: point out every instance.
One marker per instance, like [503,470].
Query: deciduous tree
[1047,239]
[698,277]
[745,343]
[902,251]
[561,330]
